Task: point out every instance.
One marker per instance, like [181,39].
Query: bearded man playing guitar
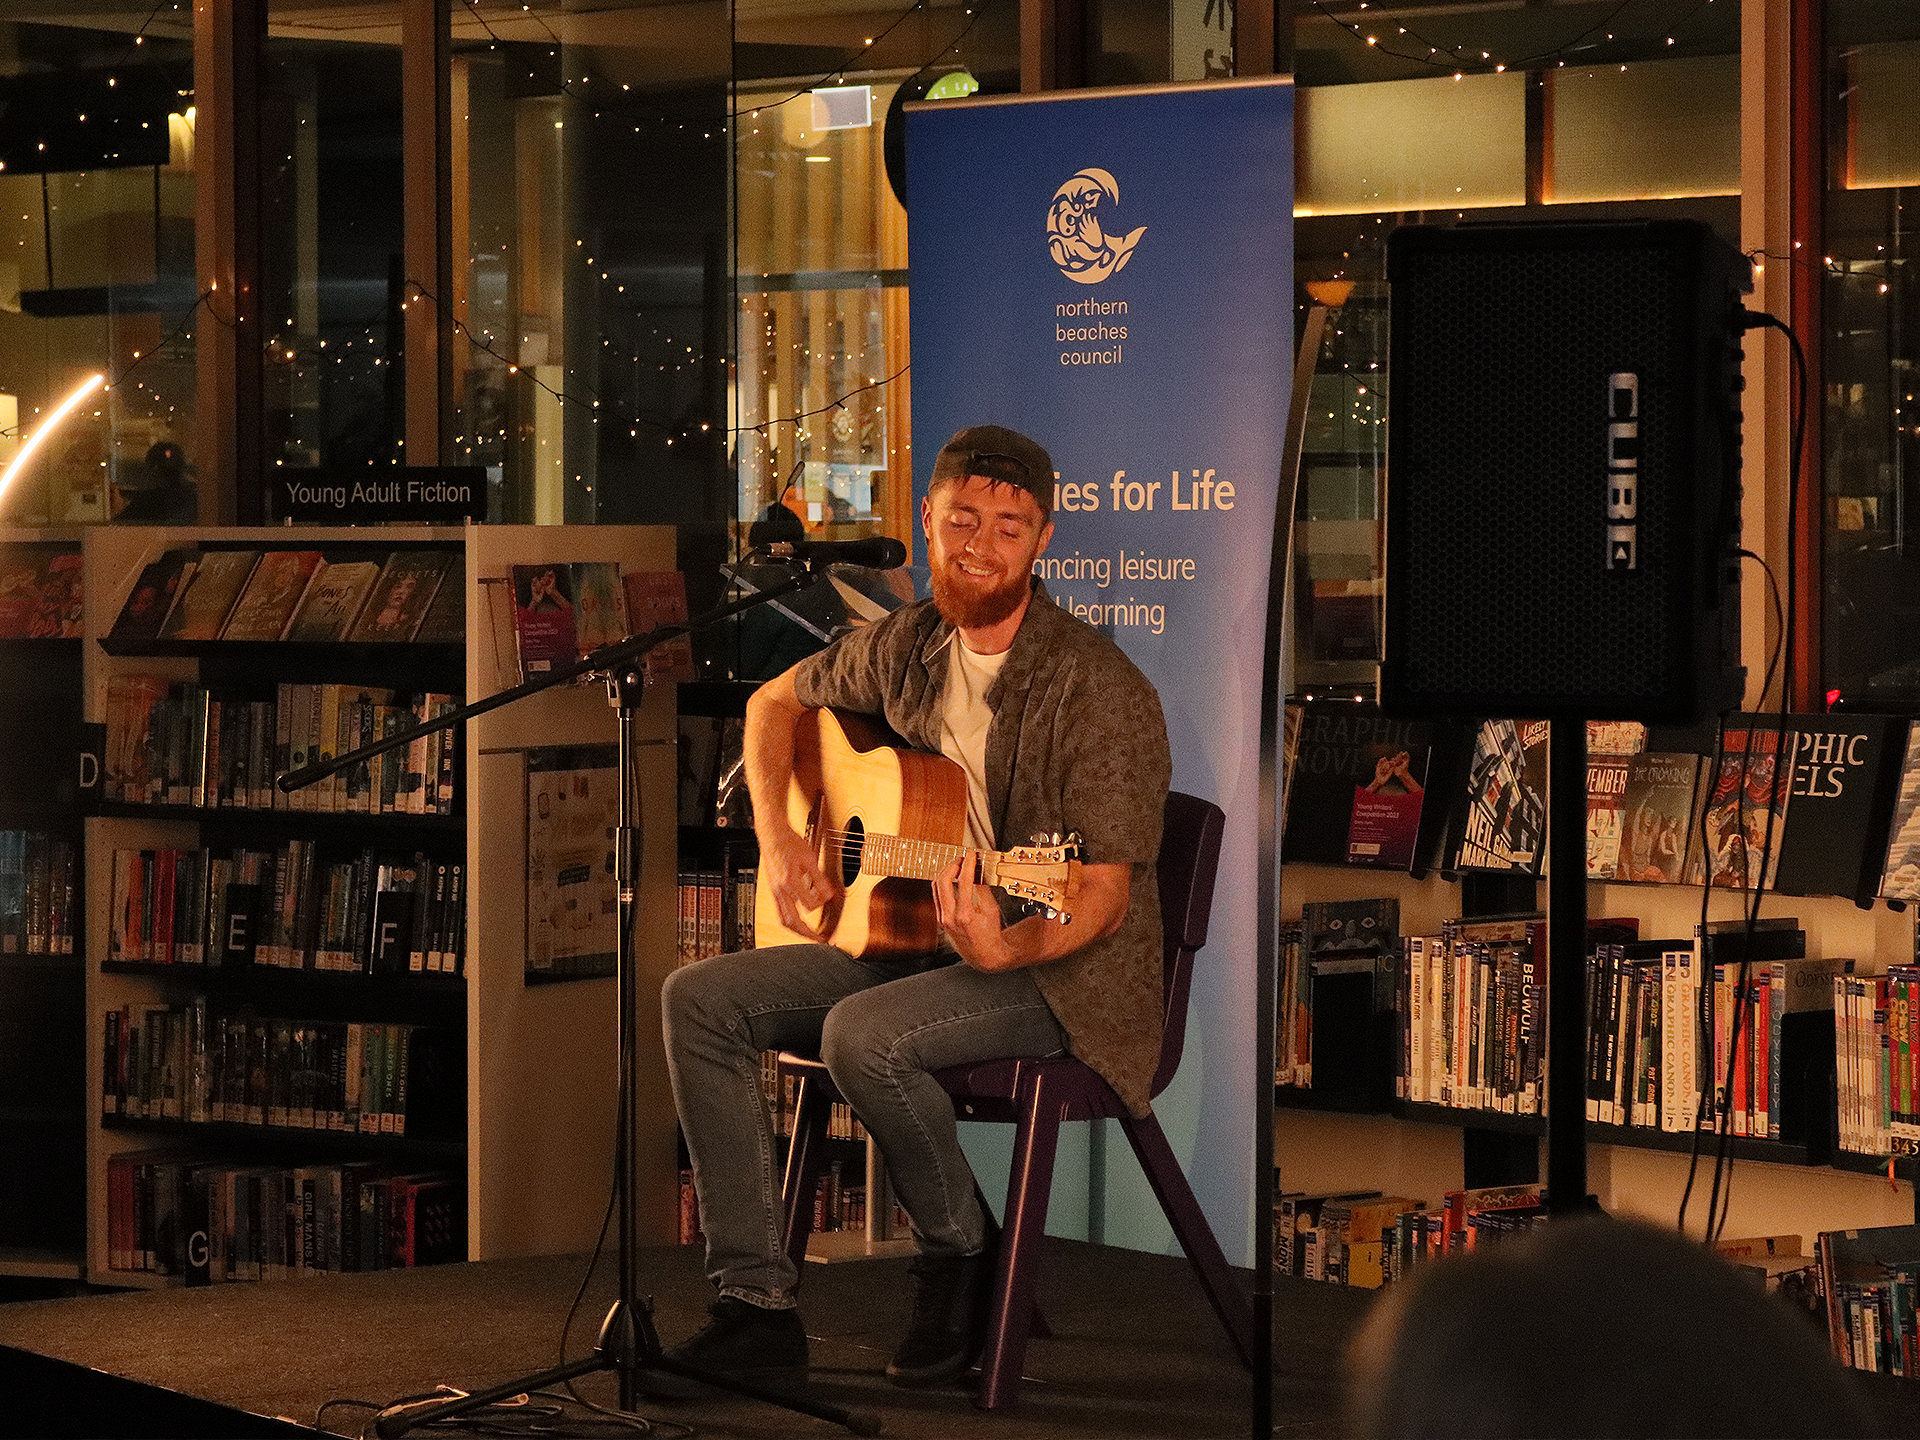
[1056,734]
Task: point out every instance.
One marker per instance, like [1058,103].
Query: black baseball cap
[996,453]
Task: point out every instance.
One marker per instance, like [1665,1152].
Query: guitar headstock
[1045,874]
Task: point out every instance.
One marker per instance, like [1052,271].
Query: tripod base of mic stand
[617,1349]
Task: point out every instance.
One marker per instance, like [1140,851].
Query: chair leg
[1029,1188]
[1189,1223]
[806,1162]
[1037,1327]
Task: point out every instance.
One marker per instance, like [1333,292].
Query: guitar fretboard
[906,858]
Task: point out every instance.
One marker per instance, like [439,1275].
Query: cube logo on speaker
[1623,471]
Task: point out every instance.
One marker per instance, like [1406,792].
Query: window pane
[1657,130]
[819,402]
[96,264]
[591,258]
[332,279]
[1412,145]
[1883,115]
[1870,611]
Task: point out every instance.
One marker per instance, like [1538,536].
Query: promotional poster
[1112,274]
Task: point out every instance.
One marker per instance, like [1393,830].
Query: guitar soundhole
[850,848]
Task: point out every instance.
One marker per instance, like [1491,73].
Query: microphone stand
[627,1342]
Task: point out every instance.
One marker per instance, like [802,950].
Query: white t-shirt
[963,730]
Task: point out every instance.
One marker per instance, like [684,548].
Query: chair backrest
[1189,857]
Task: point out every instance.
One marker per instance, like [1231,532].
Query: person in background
[1593,1327]
[157,491]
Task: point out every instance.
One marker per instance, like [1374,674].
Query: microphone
[877,552]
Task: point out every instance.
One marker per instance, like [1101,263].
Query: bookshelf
[1327,1144]
[519,1093]
[42,1114]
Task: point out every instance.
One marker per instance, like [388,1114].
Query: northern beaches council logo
[1076,240]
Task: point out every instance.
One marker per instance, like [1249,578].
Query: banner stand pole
[1274,671]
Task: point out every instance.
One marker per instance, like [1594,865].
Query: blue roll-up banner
[1111,272]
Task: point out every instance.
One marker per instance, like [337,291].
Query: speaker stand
[1566,967]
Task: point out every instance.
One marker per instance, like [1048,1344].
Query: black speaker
[1563,471]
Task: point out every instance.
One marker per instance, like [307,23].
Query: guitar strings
[853,843]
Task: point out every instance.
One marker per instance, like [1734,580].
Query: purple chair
[1036,1096]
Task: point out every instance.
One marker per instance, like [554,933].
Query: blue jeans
[881,1029]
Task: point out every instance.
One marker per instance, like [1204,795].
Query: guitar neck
[909,859]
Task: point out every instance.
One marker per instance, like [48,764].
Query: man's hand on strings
[788,868]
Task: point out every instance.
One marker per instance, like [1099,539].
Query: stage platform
[1135,1350]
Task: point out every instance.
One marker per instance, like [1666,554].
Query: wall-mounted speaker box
[1563,471]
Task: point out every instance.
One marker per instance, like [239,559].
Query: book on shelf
[200,611]
[175,742]
[1743,1046]
[1658,835]
[1625,1013]
[402,594]
[1746,804]
[1500,819]
[38,881]
[732,804]
[151,599]
[1349,958]
[61,609]
[266,607]
[445,622]
[207,1221]
[295,907]
[201,1064]
[1870,1278]
[715,914]
[1293,1011]
[1351,1234]
[543,618]
[1357,787]
[1862,1061]
[1470,1004]
[19,591]
[599,605]
[1900,867]
[1460,1209]
[656,598]
[1611,746]
[1296,1218]
[573,802]
[331,603]
[1844,782]
[41,592]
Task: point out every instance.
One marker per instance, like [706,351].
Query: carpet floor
[1135,1351]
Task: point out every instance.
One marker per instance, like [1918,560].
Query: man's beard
[965,607]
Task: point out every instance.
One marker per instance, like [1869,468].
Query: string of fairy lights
[1389,33]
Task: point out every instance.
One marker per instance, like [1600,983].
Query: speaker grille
[1499,596]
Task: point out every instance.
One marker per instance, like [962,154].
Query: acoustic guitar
[886,819]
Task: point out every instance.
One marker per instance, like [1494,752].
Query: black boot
[741,1342]
[949,1326]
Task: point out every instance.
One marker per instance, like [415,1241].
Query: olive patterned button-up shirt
[1077,744]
